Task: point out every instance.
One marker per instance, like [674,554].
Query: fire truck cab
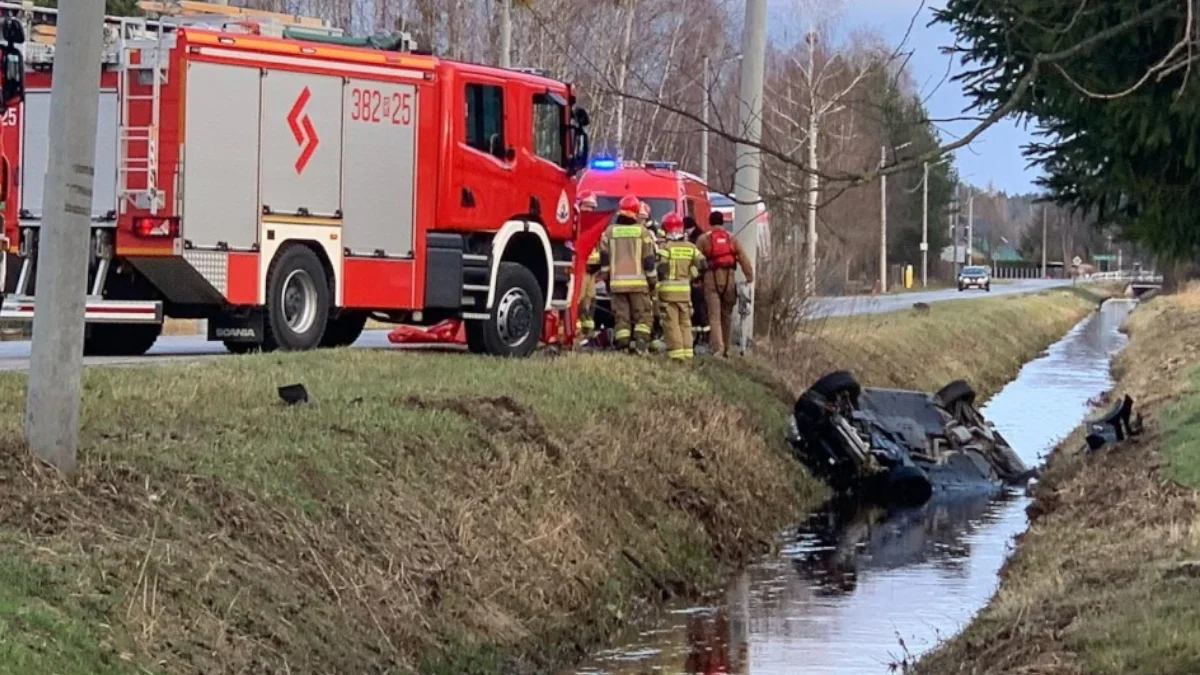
[660,184]
[285,186]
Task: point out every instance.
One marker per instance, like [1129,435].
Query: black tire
[810,410]
[114,339]
[988,288]
[958,391]
[344,330]
[297,301]
[960,289]
[832,385]
[514,327]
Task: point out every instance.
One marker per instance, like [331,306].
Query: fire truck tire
[515,325]
[297,301]
[344,330]
[110,339]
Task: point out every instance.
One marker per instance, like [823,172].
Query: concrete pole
[52,398]
[749,161]
[970,226]
[883,280]
[1043,241]
[925,228]
[810,233]
[704,118]
[506,33]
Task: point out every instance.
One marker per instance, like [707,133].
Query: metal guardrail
[1133,277]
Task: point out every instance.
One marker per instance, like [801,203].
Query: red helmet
[672,223]
[628,206]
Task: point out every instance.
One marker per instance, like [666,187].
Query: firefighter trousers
[633,314]
[720,293]
[677,328]
[587,307]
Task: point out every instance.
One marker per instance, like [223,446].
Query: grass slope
[432,512]
[1105,580]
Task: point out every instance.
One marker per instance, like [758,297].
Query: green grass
[1179,423]
[437,512]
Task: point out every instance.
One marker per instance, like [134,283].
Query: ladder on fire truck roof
[139,48]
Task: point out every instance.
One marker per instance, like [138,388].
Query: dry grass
[443,513]
[1106,581]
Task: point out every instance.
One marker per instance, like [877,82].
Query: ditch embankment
[433,512]
[1107,578]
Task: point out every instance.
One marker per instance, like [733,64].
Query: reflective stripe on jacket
[627,248]
[679,263]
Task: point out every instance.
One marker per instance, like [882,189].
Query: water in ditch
[857,590]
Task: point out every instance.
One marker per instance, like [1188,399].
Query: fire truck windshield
[658,207]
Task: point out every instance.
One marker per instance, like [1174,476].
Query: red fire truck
[288,189]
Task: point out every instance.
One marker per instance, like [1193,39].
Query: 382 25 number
[377,107]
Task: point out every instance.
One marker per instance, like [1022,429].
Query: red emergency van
[660,184]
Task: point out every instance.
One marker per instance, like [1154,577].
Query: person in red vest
[724,255]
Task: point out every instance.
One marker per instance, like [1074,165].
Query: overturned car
[899,446]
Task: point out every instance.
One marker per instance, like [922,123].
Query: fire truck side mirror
[14,32]
[580,142]
[13,67]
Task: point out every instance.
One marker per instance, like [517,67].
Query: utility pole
[506,33]
[749,161]
[1043,241]
[925,228]
[883,280]
[970,255]
[812,180]
[52,397]
[704,121]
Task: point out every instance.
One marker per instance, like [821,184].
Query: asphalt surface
[874,304]
[15,355]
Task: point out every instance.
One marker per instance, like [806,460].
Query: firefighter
[679,263]
[627,249]
[655,231]
[700,329]
[723,254]
[587,290]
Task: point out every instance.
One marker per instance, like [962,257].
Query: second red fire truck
[285,190]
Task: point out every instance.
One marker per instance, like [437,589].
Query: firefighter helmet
[628,206]
[587,200]
[672,224]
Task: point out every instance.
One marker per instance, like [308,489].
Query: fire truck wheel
[515,325]
[111,339]
[297,301]
[344,330]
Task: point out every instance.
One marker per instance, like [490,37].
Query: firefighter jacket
[628,250]
[679,263]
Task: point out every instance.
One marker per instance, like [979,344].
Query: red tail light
[150,227]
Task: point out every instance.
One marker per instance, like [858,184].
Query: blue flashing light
[604,163]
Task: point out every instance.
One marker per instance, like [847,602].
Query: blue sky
[996,155]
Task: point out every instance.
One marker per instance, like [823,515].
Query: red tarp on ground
[450,331]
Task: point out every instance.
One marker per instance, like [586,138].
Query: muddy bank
[1105,579]
[441,513]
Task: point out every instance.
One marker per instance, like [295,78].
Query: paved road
[15,355]
[873,304]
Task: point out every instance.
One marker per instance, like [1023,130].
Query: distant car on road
[974,276]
